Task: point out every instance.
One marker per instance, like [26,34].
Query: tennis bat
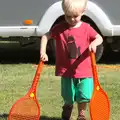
[27,107]
[99,103]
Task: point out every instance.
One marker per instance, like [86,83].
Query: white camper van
[26,20]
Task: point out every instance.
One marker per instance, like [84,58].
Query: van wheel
[99,52]
[100,48]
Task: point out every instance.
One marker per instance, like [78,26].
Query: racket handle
[37,76]
[39,68]
[93,60]
[94,68]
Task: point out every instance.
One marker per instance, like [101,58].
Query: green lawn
[15,80]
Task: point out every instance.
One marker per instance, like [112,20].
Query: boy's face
[73,20]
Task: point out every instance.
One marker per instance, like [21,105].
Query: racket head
[99,105]
[26,108]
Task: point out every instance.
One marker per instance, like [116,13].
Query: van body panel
[104,13]
[111,8]
[14,12]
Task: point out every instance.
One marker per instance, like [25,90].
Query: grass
[16,79]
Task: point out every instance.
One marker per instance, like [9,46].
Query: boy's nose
[72,19]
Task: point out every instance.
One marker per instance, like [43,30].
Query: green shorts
[75,89]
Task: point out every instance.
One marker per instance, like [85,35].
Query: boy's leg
[68,93]
[84,90]
[81,111]
[67,111]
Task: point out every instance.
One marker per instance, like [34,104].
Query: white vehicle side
[101,20]
[94,15]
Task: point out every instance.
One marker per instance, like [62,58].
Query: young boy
[74,40]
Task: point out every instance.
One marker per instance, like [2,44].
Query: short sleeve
[92,33]
[54,32]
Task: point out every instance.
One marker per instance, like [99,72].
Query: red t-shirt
[72,53]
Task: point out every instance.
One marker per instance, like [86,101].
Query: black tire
[100,48]
[99,52]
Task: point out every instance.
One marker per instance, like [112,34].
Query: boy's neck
[77,25]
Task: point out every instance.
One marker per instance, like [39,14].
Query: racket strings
[100,107]
[25,109]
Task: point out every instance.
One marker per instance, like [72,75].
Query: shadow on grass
[19,55]
[48,118]
[16,56]
[5,116]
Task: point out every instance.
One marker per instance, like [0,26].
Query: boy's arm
[44,41]
[97,41]
[43,45]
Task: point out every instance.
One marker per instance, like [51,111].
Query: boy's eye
[68,16]
[71,16]
[75,16]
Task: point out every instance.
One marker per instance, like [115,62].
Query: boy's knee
[85,90]
[68,100]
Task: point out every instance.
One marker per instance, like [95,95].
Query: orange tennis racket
[99,104]
[27,107]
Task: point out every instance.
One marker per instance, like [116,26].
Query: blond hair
[74,7]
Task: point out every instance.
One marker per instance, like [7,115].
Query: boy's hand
[43,57]
[93,46]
